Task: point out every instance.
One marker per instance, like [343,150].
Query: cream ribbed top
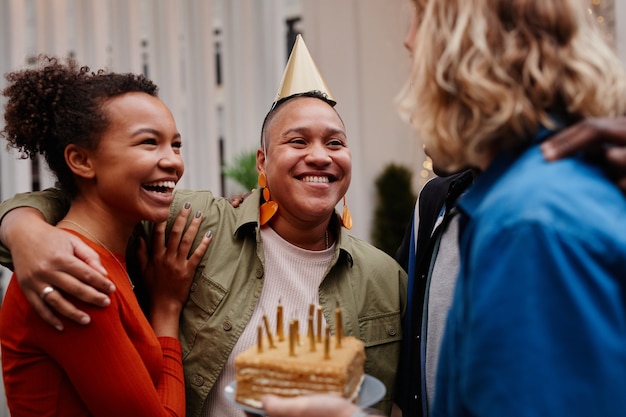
[292,276]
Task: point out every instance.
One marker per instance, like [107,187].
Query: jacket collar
[248,220]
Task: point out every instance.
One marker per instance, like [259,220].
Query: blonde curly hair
[487,73]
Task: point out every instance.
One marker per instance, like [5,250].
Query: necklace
[95,239]
[326,238]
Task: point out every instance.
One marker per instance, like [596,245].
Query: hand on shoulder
[604,139]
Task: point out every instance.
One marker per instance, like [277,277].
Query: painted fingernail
[187,206]
[198,214]
[209,233]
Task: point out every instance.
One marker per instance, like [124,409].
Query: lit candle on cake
[259,335]
[292,337]
[338,325]
[279,322]
[309,329]
[311,335]
[297,331]
[327,344]
[268,331]
[319,324]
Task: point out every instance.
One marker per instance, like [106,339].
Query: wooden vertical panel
[100,31]
[15,174]
[254,56]
[201,133]
[121,40]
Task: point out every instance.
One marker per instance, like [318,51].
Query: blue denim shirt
[538,323]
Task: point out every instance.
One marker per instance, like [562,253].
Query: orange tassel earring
[269,208]
[346,217]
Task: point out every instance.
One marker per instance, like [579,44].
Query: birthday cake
[299,365]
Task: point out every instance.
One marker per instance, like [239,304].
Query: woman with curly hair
[115,150]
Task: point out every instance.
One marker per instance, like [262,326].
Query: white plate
[371,392]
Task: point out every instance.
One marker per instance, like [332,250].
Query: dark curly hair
[57,104]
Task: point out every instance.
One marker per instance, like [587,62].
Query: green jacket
[369,285]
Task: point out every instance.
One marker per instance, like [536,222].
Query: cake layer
[250,392]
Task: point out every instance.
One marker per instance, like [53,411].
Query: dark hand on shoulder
[604,140]
[236,200]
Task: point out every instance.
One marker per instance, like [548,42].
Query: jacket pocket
[205,295]
[381,328]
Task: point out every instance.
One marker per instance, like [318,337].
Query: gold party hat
[301,74]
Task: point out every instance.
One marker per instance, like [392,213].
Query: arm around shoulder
[49,205]
[45,258]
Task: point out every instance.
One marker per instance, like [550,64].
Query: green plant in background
[243,170]
[395,201]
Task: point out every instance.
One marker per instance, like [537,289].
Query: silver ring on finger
[45,292]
